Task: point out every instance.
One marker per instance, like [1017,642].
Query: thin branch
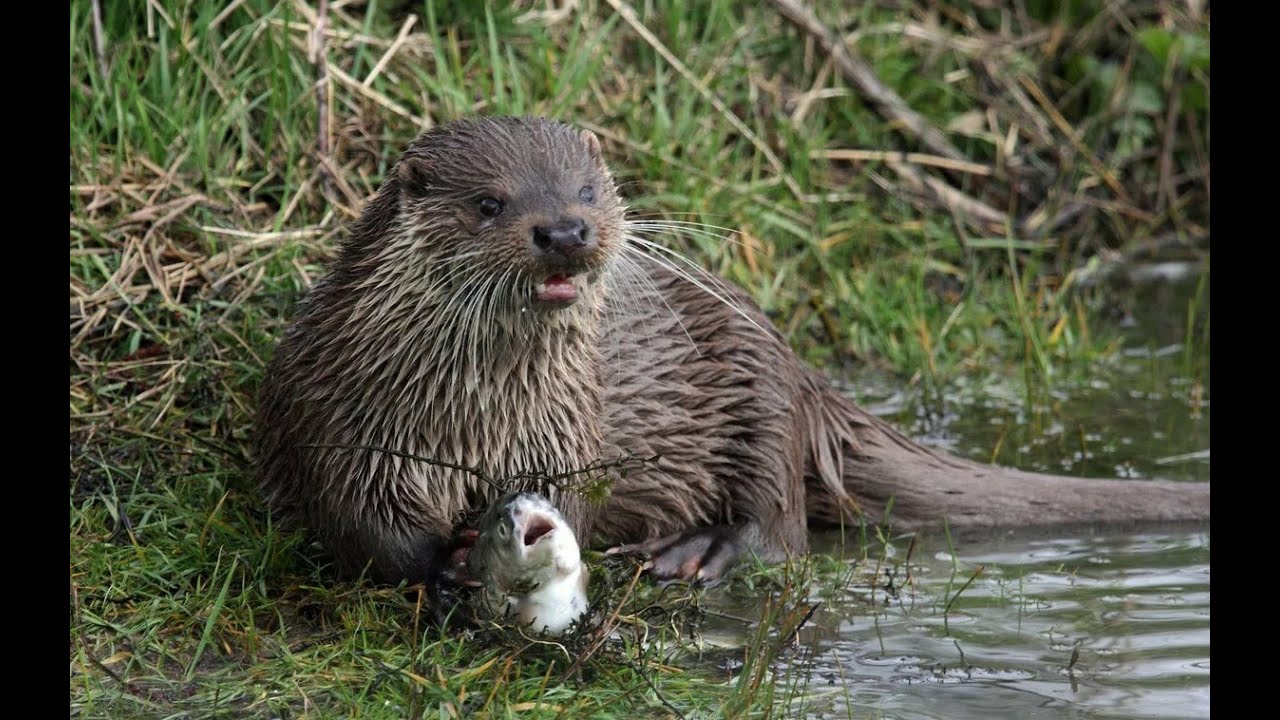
[954,200]
[791,636]
[226,13]
[856,71]
[391,51]
[964,166]
[475,472]
[1065,128]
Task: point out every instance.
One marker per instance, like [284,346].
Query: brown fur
[413,345]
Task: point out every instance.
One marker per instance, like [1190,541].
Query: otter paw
[702,555]
[456,566]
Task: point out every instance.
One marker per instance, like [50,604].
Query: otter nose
[565,237]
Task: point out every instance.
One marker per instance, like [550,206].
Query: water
[1130,604]
[1132,607]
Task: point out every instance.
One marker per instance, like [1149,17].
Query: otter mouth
[557,291]
[538,528]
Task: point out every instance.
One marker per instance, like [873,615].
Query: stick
[964,166]
[951,198]
[391,51]
[1065,128]
[856,71]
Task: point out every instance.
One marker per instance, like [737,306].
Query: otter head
[525,205]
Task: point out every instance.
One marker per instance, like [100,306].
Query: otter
[492,310]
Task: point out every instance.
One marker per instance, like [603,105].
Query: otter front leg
[703,555]
[390,556]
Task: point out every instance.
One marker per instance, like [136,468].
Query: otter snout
[567,238]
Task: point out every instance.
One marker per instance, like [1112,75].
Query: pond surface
[987,623]
[1132,607]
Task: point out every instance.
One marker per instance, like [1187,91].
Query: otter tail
[859,466]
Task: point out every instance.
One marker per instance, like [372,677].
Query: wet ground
[1112,625]
[1070,623]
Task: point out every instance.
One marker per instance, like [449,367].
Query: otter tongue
[556,288]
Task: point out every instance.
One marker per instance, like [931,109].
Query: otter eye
[490,207]
[587,194]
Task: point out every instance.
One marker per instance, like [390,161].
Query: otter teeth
[556,289]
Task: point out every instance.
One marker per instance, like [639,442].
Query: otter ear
[593,146]
[414,175]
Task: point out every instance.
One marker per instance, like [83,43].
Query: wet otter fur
[492,309]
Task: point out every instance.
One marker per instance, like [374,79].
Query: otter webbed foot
[701,555]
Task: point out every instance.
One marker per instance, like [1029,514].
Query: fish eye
[491,207]
[587,194]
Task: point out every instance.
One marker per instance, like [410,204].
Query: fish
[528,564]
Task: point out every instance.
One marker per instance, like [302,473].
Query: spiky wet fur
[652,361]
[404,346]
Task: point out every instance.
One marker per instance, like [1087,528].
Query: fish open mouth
[538,528]
[557,291]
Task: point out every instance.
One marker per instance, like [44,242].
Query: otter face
[526,204]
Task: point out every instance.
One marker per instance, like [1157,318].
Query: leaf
[1157,41]
[1186,49]
[1107,73]
[1194,97]
[1146,98]
[1195,51]
[215,611]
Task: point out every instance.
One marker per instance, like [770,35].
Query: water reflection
[1133,608]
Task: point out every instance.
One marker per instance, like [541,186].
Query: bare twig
[377,97]
[855,70]
[795,631]
[473,471]
[226,12]
[964,166]
[974,44]
[338,184]
[162,213]
[391,51]
[1065,128]
[976,211]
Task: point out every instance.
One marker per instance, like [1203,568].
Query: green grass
[199,216]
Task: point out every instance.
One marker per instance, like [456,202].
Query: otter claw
[456,565]
[702,555]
